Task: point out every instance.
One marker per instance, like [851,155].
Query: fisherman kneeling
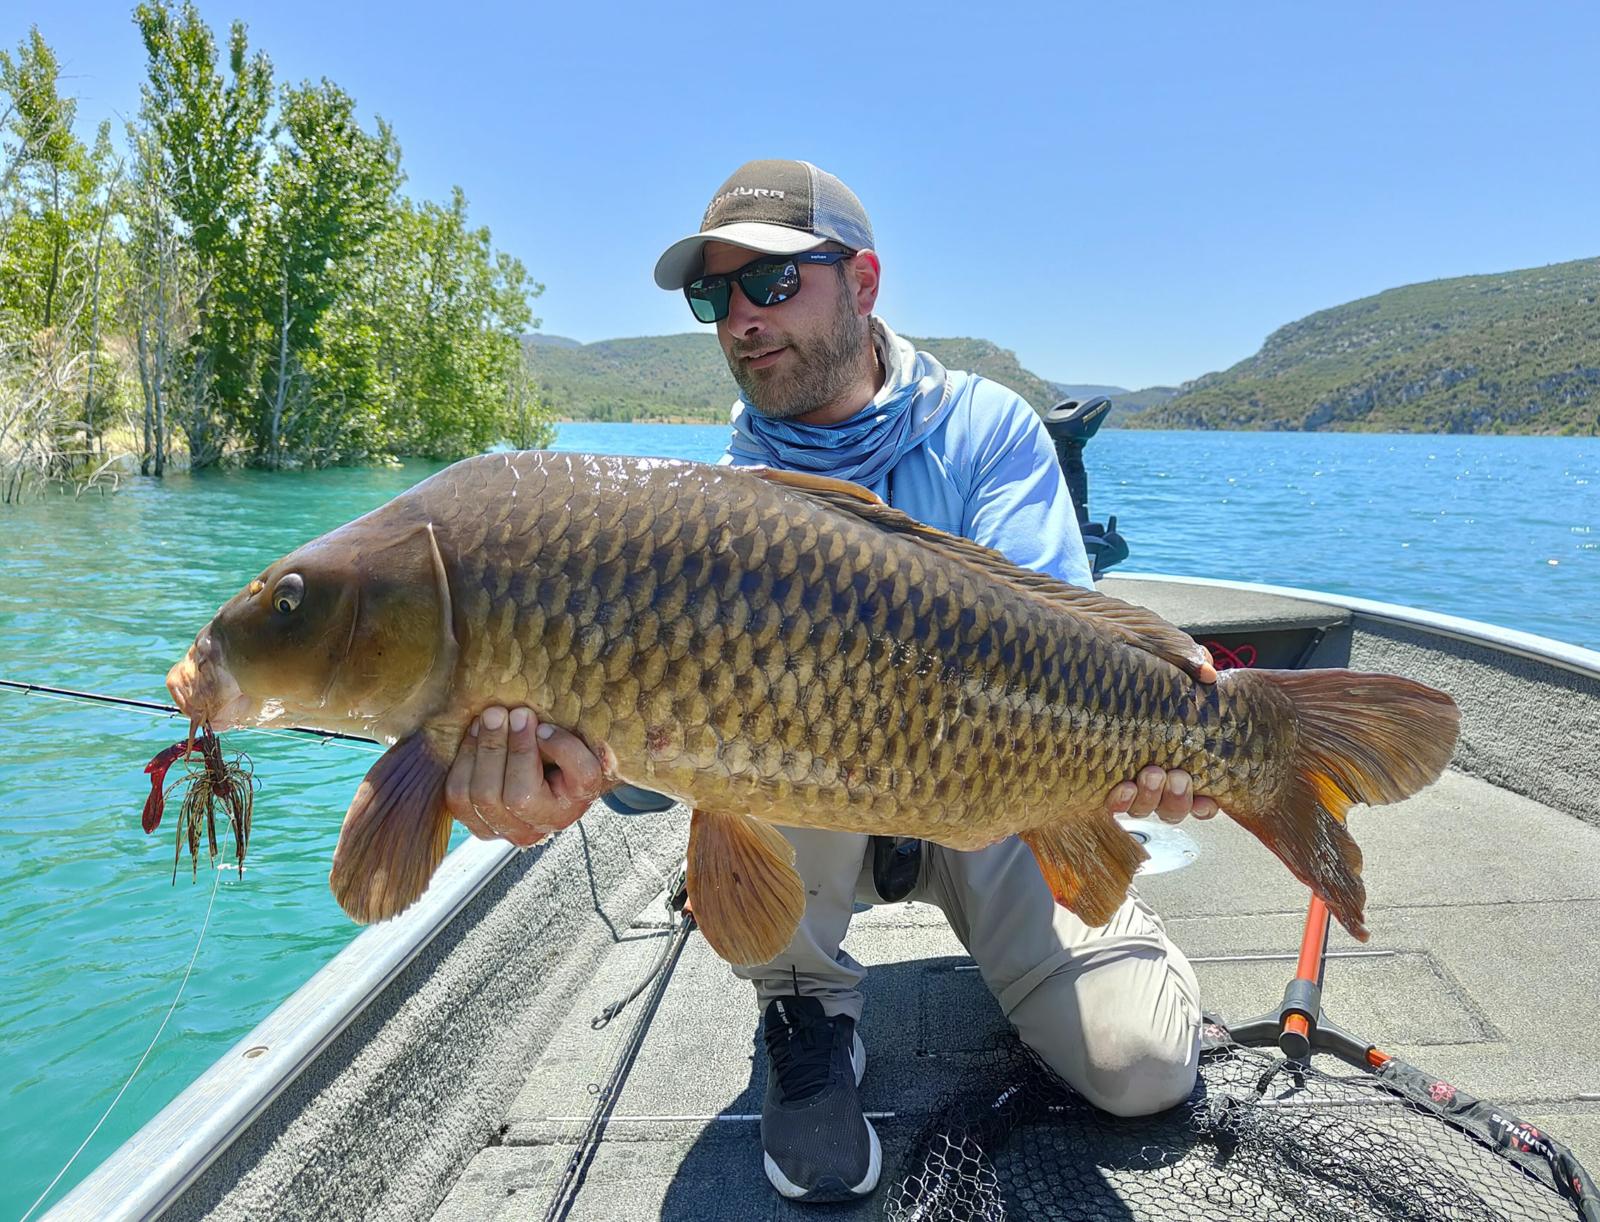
[784,266]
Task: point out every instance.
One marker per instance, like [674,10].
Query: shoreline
[560,420]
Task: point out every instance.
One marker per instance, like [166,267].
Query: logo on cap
[746,192]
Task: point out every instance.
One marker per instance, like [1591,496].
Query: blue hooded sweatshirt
[951,449]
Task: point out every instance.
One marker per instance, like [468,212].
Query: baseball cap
[776,208]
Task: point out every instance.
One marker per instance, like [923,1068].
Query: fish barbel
[784,649]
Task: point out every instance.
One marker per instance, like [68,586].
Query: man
[784,266]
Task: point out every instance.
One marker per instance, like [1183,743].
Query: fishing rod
[151,706]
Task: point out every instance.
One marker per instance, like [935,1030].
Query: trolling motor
[1071,423]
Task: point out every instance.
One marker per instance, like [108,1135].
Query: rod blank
[151,706]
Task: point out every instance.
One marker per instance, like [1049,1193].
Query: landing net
[1261,1137]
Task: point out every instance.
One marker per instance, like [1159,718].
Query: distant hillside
[1124,403]
[1513,352]
[684,377]
[1141,400]
[1074,390]
[653,377]
[984,357]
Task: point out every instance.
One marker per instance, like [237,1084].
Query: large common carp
[781,649]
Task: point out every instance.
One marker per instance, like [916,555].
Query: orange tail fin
[1360,738]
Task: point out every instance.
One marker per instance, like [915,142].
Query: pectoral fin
[395,833]
[1088,864]
[743,890]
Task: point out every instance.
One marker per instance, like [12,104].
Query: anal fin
[743,890]
[1088,864]
[395,833]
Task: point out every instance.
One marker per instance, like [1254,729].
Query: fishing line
[68,696]
[614,1056]
[216,877]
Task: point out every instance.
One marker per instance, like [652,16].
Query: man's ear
[866,270]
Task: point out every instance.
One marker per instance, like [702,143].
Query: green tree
[210,135]
[529,414]
[101,203]
[45,160]
[159,302]
[448,336]
[255,272]
[58,266]
[330,192]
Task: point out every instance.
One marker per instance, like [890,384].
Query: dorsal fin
[823,487]
[1138,626]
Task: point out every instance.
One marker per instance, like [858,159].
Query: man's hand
[518,780]
[1157,791]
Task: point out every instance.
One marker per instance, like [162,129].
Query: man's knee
[1129,1071]
[1118,1063]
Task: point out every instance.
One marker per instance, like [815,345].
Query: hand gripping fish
[781,649]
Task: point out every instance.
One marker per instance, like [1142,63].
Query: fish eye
[287,594]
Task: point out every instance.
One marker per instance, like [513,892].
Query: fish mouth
[203,688]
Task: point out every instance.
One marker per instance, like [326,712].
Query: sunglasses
[766,281]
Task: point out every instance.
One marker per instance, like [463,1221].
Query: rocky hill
[1511,352]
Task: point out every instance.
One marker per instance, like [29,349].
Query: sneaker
[818,1145]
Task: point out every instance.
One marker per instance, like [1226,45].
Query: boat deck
[1482,969]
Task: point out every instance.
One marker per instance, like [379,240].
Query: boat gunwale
[1529,645]
[153,1168]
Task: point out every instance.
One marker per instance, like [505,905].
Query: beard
[819,370]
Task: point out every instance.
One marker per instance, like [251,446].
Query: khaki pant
[1115,1010]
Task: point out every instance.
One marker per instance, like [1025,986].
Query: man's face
[802,354]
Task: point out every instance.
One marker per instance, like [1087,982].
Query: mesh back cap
[775,208]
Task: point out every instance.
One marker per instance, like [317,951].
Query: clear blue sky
[1132,194]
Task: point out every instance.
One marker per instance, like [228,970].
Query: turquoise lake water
[104,593]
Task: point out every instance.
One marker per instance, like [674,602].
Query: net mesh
[1260,1138]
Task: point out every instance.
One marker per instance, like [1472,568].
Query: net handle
[1298,1026]
[1302,1001]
